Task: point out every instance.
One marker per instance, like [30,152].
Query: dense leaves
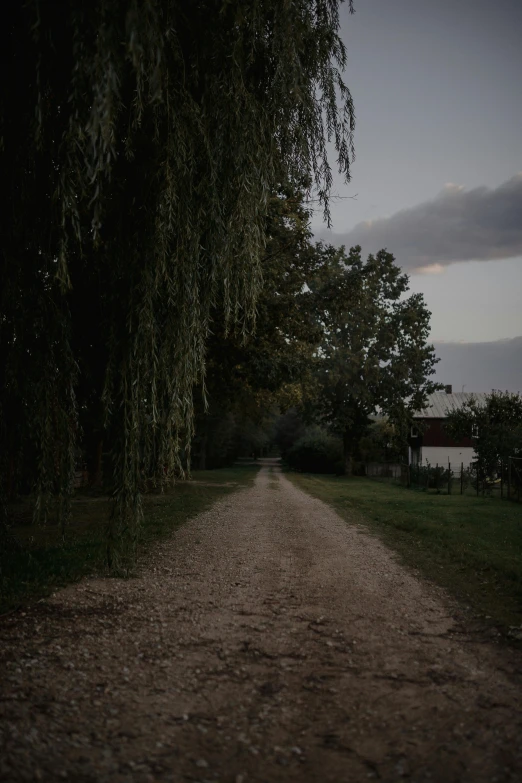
[141,143]
[248,375]
[495,428]
[374,355]
[316,452]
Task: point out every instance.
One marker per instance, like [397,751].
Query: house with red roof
[429,443]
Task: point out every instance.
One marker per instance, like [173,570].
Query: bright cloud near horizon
[437,177]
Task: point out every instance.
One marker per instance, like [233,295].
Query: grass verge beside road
[41,562]
[471,546]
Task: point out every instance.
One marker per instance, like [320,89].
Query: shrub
[316,452]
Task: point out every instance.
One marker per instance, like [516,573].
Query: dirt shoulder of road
[470,546]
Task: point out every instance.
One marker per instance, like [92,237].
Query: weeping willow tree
[140,143]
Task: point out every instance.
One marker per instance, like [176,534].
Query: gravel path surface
[267,640]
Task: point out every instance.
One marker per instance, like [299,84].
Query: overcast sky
[437,88]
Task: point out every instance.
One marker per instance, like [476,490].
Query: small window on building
[414,432]
[474,431]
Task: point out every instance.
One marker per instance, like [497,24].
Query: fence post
[509,479]
[461,478]
[501,479]
[449,477]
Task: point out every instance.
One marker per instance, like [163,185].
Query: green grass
[471,546]
[42,562]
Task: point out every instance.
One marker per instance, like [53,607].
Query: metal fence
[504,481]
[383,470]
[514,478]
[443,479]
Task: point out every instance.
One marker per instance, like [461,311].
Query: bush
[429,477]
[316,452]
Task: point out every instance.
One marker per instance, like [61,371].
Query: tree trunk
[348,452]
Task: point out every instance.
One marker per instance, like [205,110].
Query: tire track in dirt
[267,640]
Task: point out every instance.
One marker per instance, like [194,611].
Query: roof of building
[440,403]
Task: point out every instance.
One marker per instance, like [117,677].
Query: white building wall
[444,454]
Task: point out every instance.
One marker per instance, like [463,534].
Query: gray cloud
[481,367]
[482,224]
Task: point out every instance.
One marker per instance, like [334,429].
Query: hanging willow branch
[142,140]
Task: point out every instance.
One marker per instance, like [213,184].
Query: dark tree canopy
[247,377]
[374,355]
[140,143]
[495,426]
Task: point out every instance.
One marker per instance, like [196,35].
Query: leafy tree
[316,452]
[246,372]
[374,355]
[239,427]
[289,427]
[495,427]
[141,143]
[381,443]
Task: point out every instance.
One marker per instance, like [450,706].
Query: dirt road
[266,641]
